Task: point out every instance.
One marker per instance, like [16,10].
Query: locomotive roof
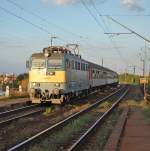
[38,55]
[41,55]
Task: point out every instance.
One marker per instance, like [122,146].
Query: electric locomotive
[57,74]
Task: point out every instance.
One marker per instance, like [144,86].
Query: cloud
[66,2]
[45,1]
[132,5]
[71,2]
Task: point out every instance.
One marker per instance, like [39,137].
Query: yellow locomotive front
[47,77]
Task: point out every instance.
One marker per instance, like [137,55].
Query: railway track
[60,124]
[76,146]
[12,115]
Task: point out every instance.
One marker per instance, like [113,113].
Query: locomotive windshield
[38,63]
[54,63]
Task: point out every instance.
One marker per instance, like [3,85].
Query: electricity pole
[143,59]
[134,68]
[52,37]
[102,62]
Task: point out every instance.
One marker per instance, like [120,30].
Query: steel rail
[4,122]
[17,110]
[83,138]
[60,124]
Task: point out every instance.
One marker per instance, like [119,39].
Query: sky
[27,25]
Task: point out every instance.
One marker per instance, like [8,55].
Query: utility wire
[43,19]
[36,26]
[25,20]
[29,22]
[47,21]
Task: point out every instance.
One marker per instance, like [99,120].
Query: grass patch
[136,104]
[56,141]
[106,105]
[146,113]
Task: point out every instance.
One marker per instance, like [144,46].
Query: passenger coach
[56,75]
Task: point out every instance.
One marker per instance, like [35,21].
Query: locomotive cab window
[38,63]
[54,63]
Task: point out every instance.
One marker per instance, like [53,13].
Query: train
[57,74]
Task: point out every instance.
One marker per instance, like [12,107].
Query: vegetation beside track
[62,138]
[146,112]
[104,131]
[55,141]
[129,78]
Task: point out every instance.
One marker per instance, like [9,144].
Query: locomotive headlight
[46,54]
[57,84]
[50,73]
[34,84]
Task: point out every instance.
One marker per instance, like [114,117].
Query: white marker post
[7,92]
[20,88]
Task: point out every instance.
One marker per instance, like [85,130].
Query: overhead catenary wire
[127,28]
[51,23]
[92,15]
[104,29]
[126,15]
[93,4]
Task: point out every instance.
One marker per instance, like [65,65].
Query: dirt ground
[8,102]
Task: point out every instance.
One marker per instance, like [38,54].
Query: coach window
[67,63]
[78,65]
[86,67]
[72,64]
[82,66]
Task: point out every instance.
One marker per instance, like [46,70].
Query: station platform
[136,136]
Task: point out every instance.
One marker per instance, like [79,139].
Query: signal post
[144,81]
